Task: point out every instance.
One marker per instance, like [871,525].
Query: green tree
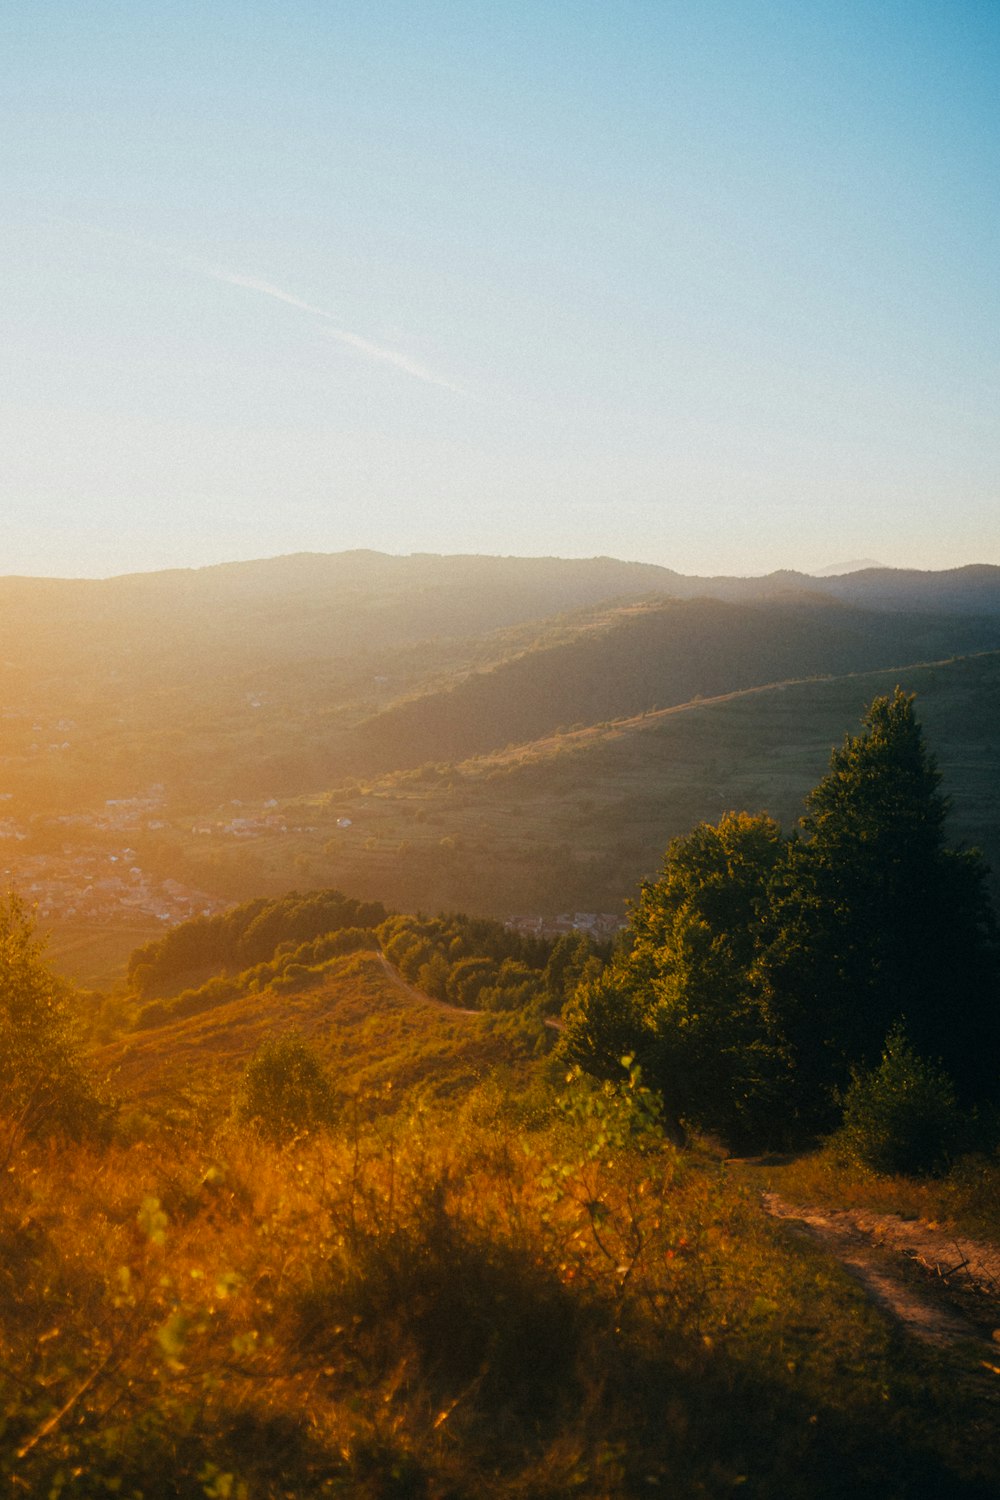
[681,998]
[761,974]
[874,920]
[46,1087]
[572,959]
[467,977]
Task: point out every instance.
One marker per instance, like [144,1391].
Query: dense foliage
[477,964]
[875,920]
[246,935]
[760,973]
[46,1088]
[472,963]
[900,1116]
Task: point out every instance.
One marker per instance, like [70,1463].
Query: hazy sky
[712,284]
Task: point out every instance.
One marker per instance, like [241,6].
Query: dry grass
[372,1037]
[509,1297]
[967,1198]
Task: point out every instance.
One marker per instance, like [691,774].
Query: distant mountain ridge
[287,676]
[339,602]
[856,565]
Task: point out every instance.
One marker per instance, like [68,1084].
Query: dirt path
[415,994]
[955,1300]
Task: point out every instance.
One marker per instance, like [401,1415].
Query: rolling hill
[574,820]
[376,1036]
[643,657]
[493,734]
[279,678]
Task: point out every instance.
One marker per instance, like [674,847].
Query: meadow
[475,1273]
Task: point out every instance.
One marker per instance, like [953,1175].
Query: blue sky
[713,285]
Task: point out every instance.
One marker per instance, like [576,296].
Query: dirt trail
[956,1300]
[415,994]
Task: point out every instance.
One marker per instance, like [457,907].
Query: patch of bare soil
[942,1288]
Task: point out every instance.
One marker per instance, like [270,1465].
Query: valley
[354,1149]
[520,737]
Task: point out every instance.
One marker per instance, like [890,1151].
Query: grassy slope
[655,655]
[576,820]
[369,1031]
[480,1299]
[91,956]
[419,1315]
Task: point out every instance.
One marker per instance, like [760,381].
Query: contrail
[252,284]
[352,340]
[363,346]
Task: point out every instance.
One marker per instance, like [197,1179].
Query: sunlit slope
[276,678]
[574,821]
[248,678]
[655,655]
[372,1032]
[94,955]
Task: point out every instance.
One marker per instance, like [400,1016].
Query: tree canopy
[759,972]
[875,920]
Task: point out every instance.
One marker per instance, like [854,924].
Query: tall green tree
[681,1000]
[761,973]
[874,920]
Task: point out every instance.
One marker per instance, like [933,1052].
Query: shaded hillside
[306,607]
[650,656]
[245,679]
[970,590]
[974,589]
[375,596]
[574,821]
[313,608]
[249,679]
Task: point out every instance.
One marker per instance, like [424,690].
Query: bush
[285,1090]
[45,1086]
[900,1116]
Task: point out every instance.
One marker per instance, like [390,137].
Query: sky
[712,284]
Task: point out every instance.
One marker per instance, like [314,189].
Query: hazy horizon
[830,570]
[715,286]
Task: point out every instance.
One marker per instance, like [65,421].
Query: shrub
[285,1090]
[900,1116]
[45,1086]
